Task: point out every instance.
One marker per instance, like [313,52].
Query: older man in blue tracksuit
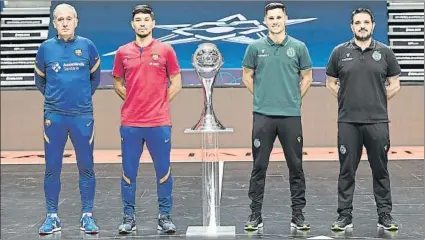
[67,73]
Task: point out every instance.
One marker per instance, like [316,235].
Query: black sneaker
[128,224]
[386,222]
[298,221]
[254,222]
[343,222]
[165,224]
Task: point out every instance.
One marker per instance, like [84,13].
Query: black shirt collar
[371,46]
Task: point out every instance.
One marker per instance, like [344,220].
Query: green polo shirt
[277,70]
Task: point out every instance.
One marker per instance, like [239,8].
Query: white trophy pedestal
[212,172]
[219,231]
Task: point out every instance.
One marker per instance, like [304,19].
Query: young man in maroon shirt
[141,72]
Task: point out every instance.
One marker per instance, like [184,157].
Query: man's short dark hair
[274,5]
[362,10]
[146,9]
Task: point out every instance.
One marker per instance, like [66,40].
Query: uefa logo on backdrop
[235,29]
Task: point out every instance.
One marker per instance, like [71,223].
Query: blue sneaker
[88,224]
[50,225]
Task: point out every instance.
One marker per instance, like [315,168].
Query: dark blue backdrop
[107,24]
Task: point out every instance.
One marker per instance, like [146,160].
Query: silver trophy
[207,62]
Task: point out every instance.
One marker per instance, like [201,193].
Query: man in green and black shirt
[363,66]
[277,71]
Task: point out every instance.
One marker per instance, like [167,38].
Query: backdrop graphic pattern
[108,26]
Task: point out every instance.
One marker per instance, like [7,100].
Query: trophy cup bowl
[207,61]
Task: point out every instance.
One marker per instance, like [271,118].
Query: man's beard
[143,35]
[362,39]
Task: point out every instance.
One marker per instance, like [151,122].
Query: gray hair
[64,6]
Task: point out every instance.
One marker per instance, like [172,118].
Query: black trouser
[264,132]
[375,138]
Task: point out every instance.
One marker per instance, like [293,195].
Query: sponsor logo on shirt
[56,67]
[74,66]
[347,57]
[263,54]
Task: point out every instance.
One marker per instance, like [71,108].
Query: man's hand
[119,87]
[248,79]
[332,85]
[306,81]
[393,86]
[175,86]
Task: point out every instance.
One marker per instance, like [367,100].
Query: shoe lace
[386,216]
[299,217]
[88,220]
[342,217]
[254,216]
[166,219]
[49,221]
[128,220]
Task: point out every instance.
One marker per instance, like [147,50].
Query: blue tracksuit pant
[57,128]
[158,142]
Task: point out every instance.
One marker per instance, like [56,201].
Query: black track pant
[375,138]
[264,132]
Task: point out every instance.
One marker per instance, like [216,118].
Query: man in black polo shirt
[363,66]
